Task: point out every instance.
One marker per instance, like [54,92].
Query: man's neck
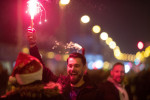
[80,83]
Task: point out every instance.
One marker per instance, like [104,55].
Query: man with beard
[76,69]
[76,85]
[114,88]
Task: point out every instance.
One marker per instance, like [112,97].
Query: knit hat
[26,70]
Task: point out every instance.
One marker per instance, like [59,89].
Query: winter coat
[110,92]
[88,91]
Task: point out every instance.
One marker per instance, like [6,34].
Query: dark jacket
[110,92]
[88,92]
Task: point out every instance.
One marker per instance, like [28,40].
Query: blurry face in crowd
[118,73]
[75,70]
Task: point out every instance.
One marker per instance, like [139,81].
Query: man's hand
[31,37]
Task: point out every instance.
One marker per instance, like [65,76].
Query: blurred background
[110,31]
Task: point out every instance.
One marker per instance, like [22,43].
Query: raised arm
[47,74]
[33,49]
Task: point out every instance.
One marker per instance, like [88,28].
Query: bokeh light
[140,45]
[112,44]
[94,61]
[65,57]
[117,52]
[128,66]
[136,61]
[96,29]
[97,64]
[108,40]
[90,65]
[64,2]
[104,36]
[85,19]
[147,52]
[50,55]
[106,65]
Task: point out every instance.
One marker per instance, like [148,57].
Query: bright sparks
[35,7]
[67,46]
[73,45]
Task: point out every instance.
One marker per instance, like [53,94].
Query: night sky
[126,21]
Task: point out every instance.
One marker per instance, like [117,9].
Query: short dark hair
[117,63]
[77,55]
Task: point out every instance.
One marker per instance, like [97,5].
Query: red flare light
[33,8]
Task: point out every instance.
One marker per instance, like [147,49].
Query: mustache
[73,71]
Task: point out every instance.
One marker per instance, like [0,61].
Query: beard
[75,78]
[119,80]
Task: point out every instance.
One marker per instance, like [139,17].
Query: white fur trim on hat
[24,79]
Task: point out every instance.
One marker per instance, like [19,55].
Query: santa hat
[27,69]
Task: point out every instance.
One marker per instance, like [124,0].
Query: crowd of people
[32,80]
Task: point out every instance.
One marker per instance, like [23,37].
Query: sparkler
[68,46]
[73,45]
[76,46]
[35,7]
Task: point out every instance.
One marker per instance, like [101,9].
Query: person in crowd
[27,77]
[76,85]
[3,80]
[142,82]
[114,88]
[142,85]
